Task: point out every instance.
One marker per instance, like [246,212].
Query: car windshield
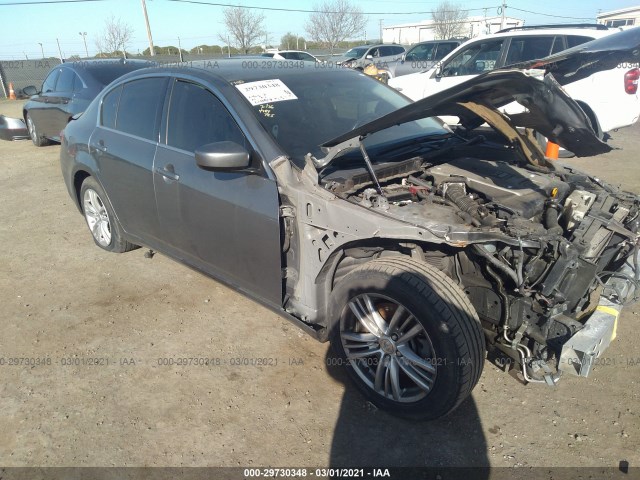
[356,52]
[326,106]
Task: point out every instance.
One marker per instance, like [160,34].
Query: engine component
[521,190]
[577,206]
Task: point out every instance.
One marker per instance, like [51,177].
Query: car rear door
[124,145]
[225,223]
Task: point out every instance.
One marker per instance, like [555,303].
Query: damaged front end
[545,253]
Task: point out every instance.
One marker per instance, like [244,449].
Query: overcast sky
[22,27]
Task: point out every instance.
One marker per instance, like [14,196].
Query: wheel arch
[359,252]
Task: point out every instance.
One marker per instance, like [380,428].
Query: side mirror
[439,71]
[403,58]
[369,57]
[30,91]
[222,156]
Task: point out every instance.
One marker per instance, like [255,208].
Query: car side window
[65,80]
[197,118]
[397,50]
[523,49]
[421,53]
[475,59]
[50,82]
[140,107]
[443,50]
[110,107]
[306,57]
[575,40]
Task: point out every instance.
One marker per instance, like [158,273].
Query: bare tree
[115,38]
[334,21]
[449,20]
[244,27]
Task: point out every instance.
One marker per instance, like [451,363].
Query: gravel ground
[106,323]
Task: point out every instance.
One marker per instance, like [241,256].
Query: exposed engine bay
[560,242]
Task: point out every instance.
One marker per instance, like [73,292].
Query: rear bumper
[582,350]
[13,128]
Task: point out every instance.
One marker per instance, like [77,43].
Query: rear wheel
[36,138]
[408,336]
[102,222]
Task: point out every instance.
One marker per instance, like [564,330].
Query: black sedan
[68,90]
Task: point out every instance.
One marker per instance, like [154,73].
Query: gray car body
[272,231]
[251,213]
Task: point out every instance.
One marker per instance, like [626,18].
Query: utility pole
[180,50]
[60,51]
[503,8]
[146,19]
[84,37]
[41,49]
[380,30]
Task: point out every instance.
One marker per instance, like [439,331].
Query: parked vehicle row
[609,98]
[361,217]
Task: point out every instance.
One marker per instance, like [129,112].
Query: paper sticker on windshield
[266,91]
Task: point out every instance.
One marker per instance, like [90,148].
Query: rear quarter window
[110,107]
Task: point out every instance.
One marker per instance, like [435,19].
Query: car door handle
[167,173]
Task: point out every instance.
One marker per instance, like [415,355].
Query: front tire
[101,220]
[408,336]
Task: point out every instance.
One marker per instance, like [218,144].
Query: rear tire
[36,138]
[408,336]
[105,229]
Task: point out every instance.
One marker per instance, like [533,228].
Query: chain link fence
[23,73]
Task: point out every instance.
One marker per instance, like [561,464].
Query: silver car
[360,57]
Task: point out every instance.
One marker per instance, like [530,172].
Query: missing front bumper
[581,351]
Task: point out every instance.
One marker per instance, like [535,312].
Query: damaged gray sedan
[351,211]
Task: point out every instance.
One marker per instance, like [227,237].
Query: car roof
[582,32]
[233,71]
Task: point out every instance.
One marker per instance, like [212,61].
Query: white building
[410,33]
[625,17]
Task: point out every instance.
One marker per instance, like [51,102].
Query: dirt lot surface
[107,324]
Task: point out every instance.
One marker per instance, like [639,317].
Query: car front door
[223,222]
[124,145]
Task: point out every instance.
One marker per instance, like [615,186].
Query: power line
[295,10]
[274,9]
[550,14]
